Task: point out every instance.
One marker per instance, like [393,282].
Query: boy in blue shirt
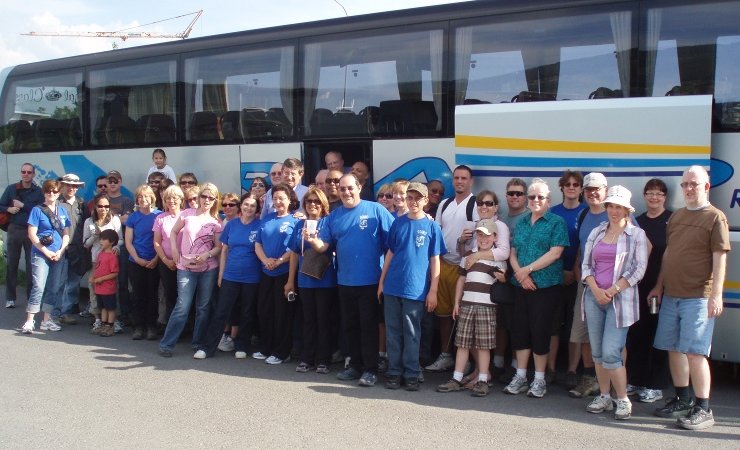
[408,283]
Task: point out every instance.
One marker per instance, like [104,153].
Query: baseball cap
[418,187]
[115,174]
[594,180]
[486,226]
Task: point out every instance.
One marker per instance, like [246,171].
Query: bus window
[240,95]
[548,58]
[133,105]
[389,84]
[42,113]
[695,49]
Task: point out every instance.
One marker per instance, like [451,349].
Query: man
[276,173]
[690,284]
[332,189]
[122,206]
[18,199]
[362,173]
[334,161]
[73,263]
[291,175]
[101,187]
[358,230]
[455,214]
[516,201]
[320,179]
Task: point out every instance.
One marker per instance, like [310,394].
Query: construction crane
[124,34]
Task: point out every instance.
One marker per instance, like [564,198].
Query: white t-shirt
[166,170]
[454,220]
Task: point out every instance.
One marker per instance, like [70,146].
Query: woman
[187,181]
[258,188]
[436,194]
[195,248]
[274,311]
[614,262]
[238,278]
[142,264]
[647,367]
[539,240]
[317,295]
[173,198]
[102,219]
[398,189]
[191,197]
[385,197]
[230,207]
[48,231]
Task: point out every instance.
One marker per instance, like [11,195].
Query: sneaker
[600,404]
[322,369]
[588,386]
[240,355]
[675,407]
[650,395]
[259,355]
[537,389]
[445,361]
[85,313]
[393,382]
[106,331]
[139,335]
[10,304]
[698,419]
[304,367]
[117,327]
[273,360]
[412,384]
[151,334]
[571,380]
[200,354]
[348,374]
[516,386]
[49,325]
[337,357]
[96,326]
[226,344]
[27,327]
[624,410]
[633,390]
[451,386]
[166,353]
[368,379]
[480,389]
[68,319]
[382,364]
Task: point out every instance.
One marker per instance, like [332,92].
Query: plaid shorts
[476,327]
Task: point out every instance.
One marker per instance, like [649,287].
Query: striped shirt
[630,263]
[478,281]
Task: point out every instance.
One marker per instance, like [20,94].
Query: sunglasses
[388,196]
[53,192]
[230,205]
[102,186]
[536,197]
[437,191]
[312,201]
[258,185]
[190,182]
[571,185]
[103,206]
[488,203]
[332,181]
[113,181]
[193,199]
[514,193]
[207,197]
[155,182]
[26,172]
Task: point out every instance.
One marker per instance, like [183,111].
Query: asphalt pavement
[70,389]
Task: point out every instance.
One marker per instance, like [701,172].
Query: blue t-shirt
[38,219]
[142,225]
[413,243]
[304,281]
[590,222]
[570,216]
[242,264]
[359,235]
[274,235]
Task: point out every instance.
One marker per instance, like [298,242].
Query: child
[104,282]
[160,165]
[408,283]
[476,327]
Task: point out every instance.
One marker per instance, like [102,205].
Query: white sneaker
[226,344]
[117,327]
[27,327]
[10,304]
[259,355]
[240,355]
[624,410]
[650,395]
[445,361]
[274,360]
[517,385]
[600,404]
[49,325]
[200,354]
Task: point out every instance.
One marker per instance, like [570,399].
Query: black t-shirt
[655,230]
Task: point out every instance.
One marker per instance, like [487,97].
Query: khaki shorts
[446,289]
[579,331]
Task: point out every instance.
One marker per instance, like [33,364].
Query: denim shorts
[683,326]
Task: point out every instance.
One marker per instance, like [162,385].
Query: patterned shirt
[531,241]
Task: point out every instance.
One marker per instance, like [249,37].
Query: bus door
[352,151]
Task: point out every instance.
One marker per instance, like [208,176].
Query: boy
[408,283]
[476,327]
[104,282]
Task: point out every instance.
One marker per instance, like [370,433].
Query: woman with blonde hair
[385,197]
[173,199]
[229,207]
[195,249]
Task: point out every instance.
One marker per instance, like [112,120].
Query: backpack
[469,208]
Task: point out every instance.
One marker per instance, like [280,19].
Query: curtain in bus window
[286,81]
[463,50]
[214,97]
[435,54]
[654,17]
[621,23]
[312,69]
[542,70]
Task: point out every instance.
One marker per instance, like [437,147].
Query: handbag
[4,220]
[315,263]
[503,293]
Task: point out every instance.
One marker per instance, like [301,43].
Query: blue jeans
[70,290]
[198,285]
[607,341]
[46,288]
[684,326]
[403,335]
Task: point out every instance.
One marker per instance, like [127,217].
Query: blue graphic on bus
[83,168]
[248,171]
[430,168]
[720,172]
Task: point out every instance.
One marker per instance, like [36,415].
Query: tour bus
[503,86]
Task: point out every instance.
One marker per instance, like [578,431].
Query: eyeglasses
[488,203]
[207,197]
[347,189]
[26,172]
[275,174]
[536,197]
[258,185]
[103,206]
[514,193]
[190,182]
[387,196]
[332,181]
[654,194]
[102,186]
[312,201]
[113,181]
[229,205]
[572,185]
[692,185]
[437,191]
[593,189]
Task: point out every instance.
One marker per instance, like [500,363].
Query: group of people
[327,271]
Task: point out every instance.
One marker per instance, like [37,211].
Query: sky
[224,16]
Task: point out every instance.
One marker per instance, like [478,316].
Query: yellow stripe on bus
[732,284]
[573,146]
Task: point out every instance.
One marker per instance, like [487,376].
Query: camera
[46,240]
